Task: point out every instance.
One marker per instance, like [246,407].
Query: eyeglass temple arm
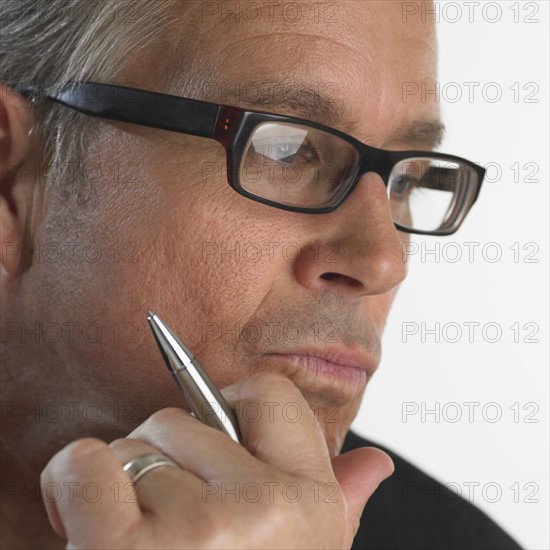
[152,109]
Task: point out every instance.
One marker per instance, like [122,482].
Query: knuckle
[200,532]
[73,458]
[118,444]
[270,519]
[80,449]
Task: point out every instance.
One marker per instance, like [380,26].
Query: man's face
[247,287]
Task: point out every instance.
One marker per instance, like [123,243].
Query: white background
[502,376]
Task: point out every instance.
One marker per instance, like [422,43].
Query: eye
[402,185]
[285,151]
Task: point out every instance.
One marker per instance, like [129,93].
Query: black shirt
[410,510]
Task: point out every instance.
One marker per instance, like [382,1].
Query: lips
[324,347]
[341,366]
[337,356]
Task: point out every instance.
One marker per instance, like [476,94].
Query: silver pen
[206,402]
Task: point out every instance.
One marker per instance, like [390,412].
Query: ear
[16,122]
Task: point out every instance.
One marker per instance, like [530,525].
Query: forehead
[357,54]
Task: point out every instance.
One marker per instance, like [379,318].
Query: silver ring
[138,467]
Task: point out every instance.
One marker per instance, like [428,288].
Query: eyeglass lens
[297,166]
[305,167]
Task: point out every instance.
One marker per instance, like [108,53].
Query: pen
[206,402]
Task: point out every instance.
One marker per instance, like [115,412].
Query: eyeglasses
[291,163]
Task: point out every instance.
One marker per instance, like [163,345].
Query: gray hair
[57,41]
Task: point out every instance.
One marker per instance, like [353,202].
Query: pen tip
[169,343]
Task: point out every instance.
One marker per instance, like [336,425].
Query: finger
[78,486]
[164,492]
[206,452]
[278,425]
[359,473]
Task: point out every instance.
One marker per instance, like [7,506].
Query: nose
[360,252]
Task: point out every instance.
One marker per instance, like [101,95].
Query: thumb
[359,473]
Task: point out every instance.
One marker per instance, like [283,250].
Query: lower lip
[321,369]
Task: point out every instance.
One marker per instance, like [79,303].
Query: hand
[279,490]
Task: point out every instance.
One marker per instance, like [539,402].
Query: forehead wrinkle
[348,45]
[242,56]
[318,99]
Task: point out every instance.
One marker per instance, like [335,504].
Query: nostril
[341,279]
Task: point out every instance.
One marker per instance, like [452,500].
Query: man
[280,282]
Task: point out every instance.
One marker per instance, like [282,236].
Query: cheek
[192,251]
[201,253]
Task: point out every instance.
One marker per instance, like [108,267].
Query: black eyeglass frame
[232,127]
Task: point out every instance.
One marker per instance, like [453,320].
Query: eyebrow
[313,104]
[308,102]
[427,133]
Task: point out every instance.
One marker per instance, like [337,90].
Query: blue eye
[401,185]
[283,152]
[286,152]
